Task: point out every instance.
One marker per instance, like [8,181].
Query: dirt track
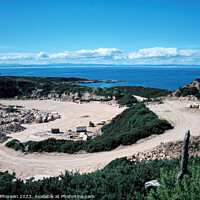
[53,164]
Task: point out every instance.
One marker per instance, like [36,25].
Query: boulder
[151,184]
[38,120]
[91,124]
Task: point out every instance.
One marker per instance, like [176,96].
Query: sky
[100,31]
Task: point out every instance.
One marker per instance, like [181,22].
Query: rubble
[11,122]
[167,150]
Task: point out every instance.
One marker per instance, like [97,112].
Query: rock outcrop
[190,91]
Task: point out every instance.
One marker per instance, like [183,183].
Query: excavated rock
[167,150]
[11,121]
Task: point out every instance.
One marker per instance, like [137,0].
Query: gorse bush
[126,128]
[16,145]
[53,145]
[189,91]
[120,179]
[186,189]
[127,99]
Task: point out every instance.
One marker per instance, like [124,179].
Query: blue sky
[100,31]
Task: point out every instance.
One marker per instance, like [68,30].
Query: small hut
[55,130]
[80,129]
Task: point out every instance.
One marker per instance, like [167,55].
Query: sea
[164,77]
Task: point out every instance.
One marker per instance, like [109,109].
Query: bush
[120,179]
[186,189]
[53,145]
[127,99]
[189,91]
[127,128]
[10,109]
[16,145]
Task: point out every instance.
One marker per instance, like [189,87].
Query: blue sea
[165,77]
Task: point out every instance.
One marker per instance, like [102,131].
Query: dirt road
[53,164]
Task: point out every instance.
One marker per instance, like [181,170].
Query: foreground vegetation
[120,179]
[134,123]
[41,87]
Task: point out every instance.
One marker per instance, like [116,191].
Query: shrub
[186,189]
[189,91]
[16,145]
[120,179]
[10,109]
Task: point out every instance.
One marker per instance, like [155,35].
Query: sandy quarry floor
[72,115]
[53,164]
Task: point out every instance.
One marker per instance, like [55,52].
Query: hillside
[192,88]
[67,89]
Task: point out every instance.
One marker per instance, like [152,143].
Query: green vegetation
[157,100]
[127,128]
[37,87]
[133,90]
[43,80]
[16,145]
[11,109]
[186,189]
[53,145]
[8,88]
[120,179]
[124,94]
[190,91]
[11,87]
[127,99]
[50,80]
[134,123]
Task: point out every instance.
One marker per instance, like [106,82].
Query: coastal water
[165,77]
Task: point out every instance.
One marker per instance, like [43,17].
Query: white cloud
[161,52]
[156,55]
[42,55]
[154,52]
[60,55]
[19,57]
[102,52]
[189,52]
